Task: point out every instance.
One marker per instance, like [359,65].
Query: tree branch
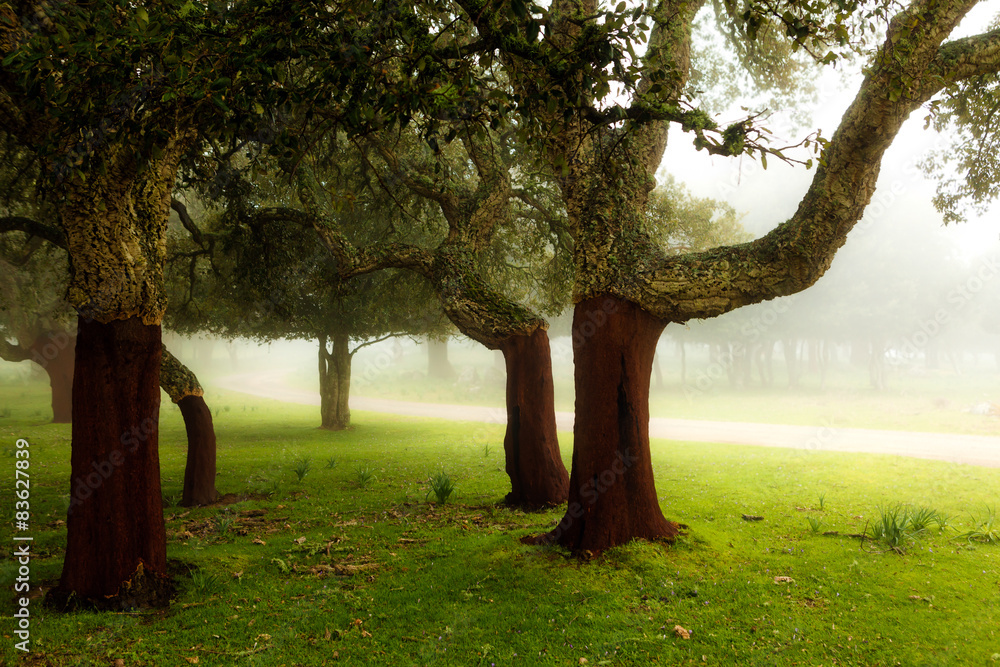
[186,220]
[15,223]
[798,252]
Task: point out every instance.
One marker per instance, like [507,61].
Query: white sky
[769,197]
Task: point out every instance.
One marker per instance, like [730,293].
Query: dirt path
[972,449]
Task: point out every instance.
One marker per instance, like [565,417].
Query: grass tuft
[302,468]
[442,487]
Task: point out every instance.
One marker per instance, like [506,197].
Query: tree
[264,279]
[109,141]
[33,314]
[35,304]
[474,196]
[604,154]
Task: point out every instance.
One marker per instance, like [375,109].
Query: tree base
[142,590]
[612,496]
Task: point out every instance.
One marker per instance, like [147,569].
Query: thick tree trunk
[335,383]
[438,365]
[612,496]
[116,544]
[537,475]
[56,353]
[199,472]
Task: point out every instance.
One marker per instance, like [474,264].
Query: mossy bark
[335,382]
[115,223]
[537,475]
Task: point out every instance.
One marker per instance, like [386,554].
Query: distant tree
[473,191]
[268,279]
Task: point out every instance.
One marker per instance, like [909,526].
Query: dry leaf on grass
[784,580]
[681,632]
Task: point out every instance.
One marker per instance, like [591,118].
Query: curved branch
[186,220]
[17,223]
[12,352]
[798,252]
[177,379]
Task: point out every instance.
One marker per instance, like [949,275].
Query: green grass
[323,572]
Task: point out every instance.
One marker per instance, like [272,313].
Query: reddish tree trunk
[199,473]
[56,353]
[612,497]
[537,475]
[116,544]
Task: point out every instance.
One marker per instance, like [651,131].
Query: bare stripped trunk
[335,383]
[537,475]
[56,353]
[184,389]
[200,470]
[612,497]
[115,558]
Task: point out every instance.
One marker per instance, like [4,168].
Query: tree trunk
[116,544]
[438,365]
[56,353]
[200,470]
[612,496]
[538,477]
[335,383]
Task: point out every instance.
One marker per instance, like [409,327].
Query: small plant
[331,463]
[204,584]
[894,528]
[486,450]
[364,475]
[985,530]
[442,487]
[302,468]
[822,501]
[223,522]
[814,524]
[922,518]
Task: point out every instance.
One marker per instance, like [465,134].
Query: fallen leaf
[266,637]
[193,661]
[259,541]
[583,661]
[681,632]
[299,540]
[751,517]
[784,580]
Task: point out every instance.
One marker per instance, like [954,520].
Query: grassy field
[354,564]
